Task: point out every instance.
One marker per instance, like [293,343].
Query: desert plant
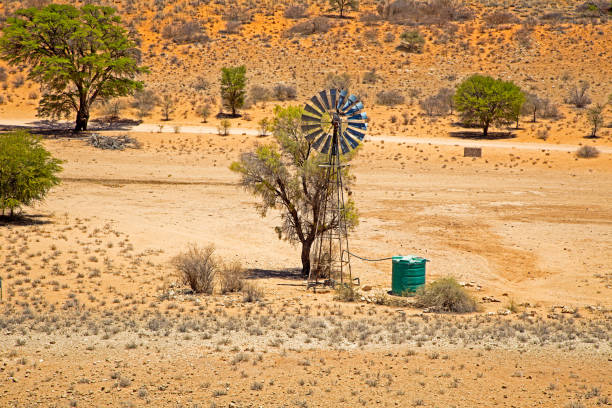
[484,101]
[98,62]
[259,93]
[295,12]
[224,127]
[499,17]
[595,118]
[579,95]
[197,268]
[370,77]
[315,25]
[533,105]
[264,127]
[231,277]
[346,293]
[252,292]
[284,92]
[390,98]
[144,101]
[185,32]
[167,106]
[446,295]
[341,5]
[290,179]
[232,27]
[412,41]
[233,85]
[587,152]
[27,170]
[338,81]
[204,112]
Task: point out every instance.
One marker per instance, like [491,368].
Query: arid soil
[93,313]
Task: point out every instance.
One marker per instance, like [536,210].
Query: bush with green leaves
[412,41]
[446,295]
[233,87]
[484,101]
[27,171]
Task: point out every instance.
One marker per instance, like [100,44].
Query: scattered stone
[490,299]
[113,142]
[503,312]
[366,288]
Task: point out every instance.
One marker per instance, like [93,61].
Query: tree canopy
[27,170]
[286,176]
[342,5]
[233,87]
[78,56]
[484,101]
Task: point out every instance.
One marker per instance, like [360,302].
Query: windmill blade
[314,134]
[312,110]
[325,148]
[356,108]
[344,146]
[341,99]
[309,118]
[309,128]
[332,93]
[359,116]
[355,133]
[317,103]
[352,142]
[323,95]
[358,125]
[320,140]
[351,100]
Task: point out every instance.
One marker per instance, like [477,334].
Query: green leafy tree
[595,118]
[27,170]
[341,5]
[287,176]
[233,87]
[412,41]
[78,56]
[485,101]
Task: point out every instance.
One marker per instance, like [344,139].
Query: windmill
[335,125]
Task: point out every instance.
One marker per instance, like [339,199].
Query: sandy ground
[93,315]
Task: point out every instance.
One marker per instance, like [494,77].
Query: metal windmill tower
[335,125]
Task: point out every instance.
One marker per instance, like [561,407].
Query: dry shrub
[338,81]
[446,295]
[231,277]
[284,92]
[185,32]
[197,268]
[252,292]
[313,26]
[500,17]
[346,293]
[295,12]
[587,152]
[579,95]
[259,93]
[390,98]
[411,12]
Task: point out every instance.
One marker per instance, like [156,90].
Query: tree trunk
[306,258]
[534,116]
[82,119]
[485,130]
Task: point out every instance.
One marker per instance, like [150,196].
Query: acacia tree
[485,101]
[27,170]
[78,56]
[341,5]
[595,118]
[533,105]
[233,87]
[287,176]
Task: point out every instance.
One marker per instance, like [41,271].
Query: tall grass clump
[197,267]
[446,295]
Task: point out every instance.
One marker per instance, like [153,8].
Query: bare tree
[533,105]
[595,118]
[167,106]
[578,95]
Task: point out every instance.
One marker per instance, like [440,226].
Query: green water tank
[408,274]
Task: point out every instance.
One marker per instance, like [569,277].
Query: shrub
[283,92]
[313,26]
[201,84]
[27,170]
[338,81]
[18,81]
[370,77]
[259,93]
[500,17]
[232,27]
[346,293]
[3,74]
[595,118]
[587,152]
[438,104]
[185,32]
[295,12]
[446,295]
[197,268]
[424,12]
[369,19]
[233,87]
[203,112]
[578,95]
[412,41]
[144,101]
[237,13]
[224,127]
[251,292]
[390,98]
[232,277]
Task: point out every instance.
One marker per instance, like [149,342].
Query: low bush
[313,26]
[412,41]
[587,152]
[295,12]
[259,93]
[283,92]
[252,292]
[390,98]
[446,295]
[231,277]
[338,81]
[346,293]
[185,32]
[500,17]
[197,268]
[579,95]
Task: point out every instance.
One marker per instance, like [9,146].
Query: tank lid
[409,259]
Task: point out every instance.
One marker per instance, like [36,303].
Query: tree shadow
[54,129]
[222,115]
[293,274]
[473,135]
[23,220]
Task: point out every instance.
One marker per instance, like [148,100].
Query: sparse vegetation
[587,152]
[197,268]
[390,98]
[412,41]
[579,95]
[595,118]
[446,295]
[233,87]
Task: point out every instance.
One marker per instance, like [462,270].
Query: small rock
[366,288]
